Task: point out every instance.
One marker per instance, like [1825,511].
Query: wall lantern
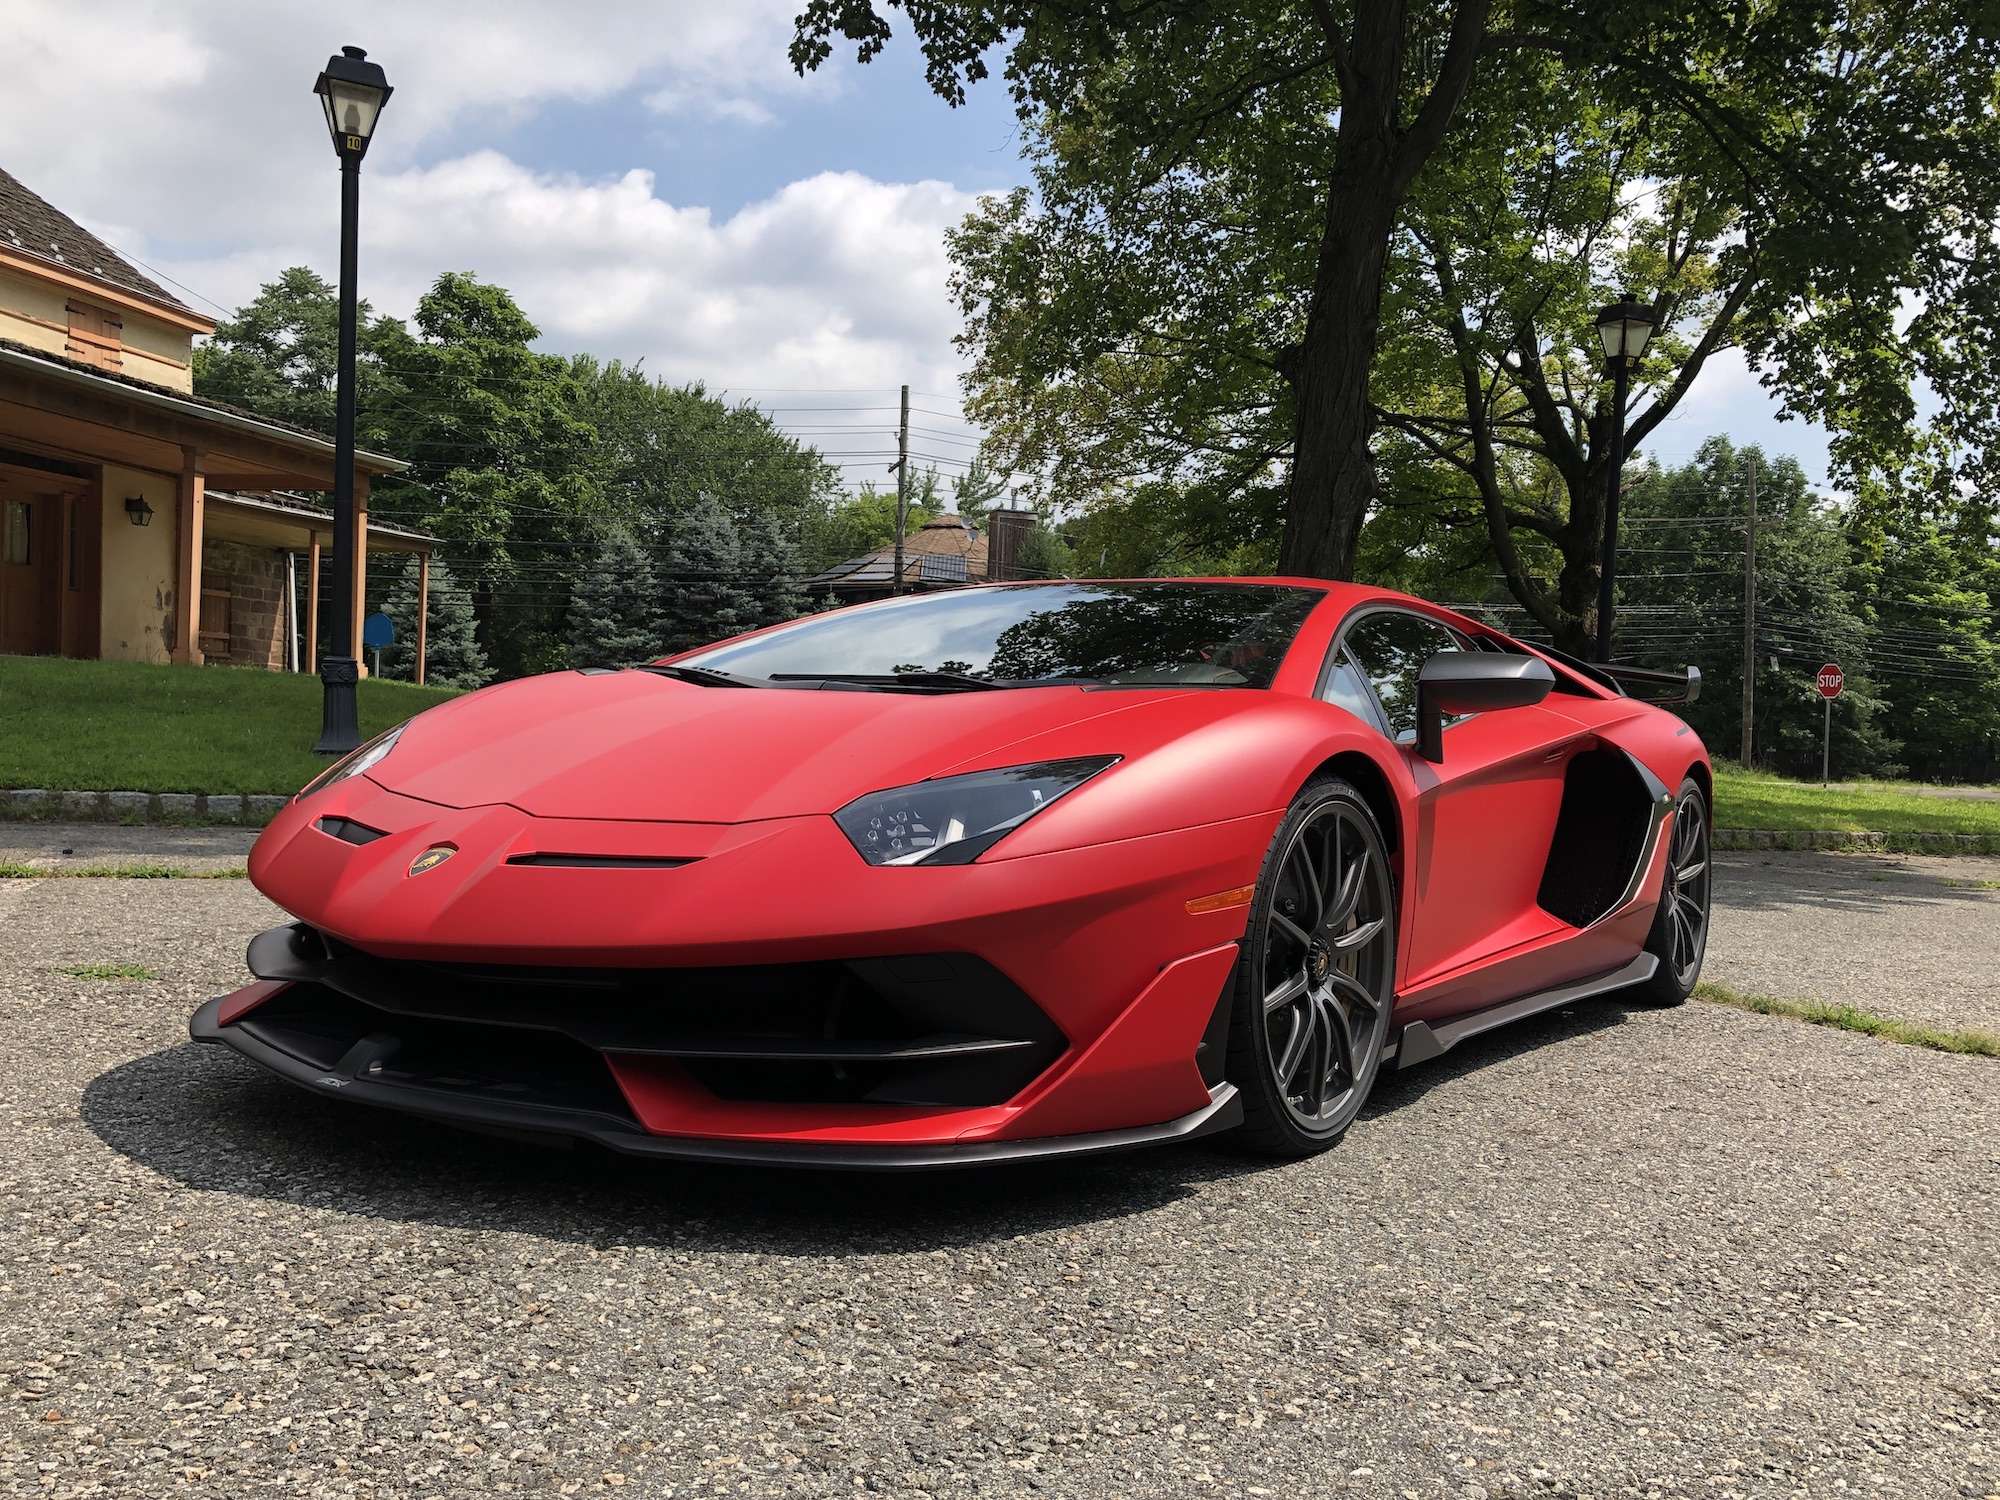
[137,511]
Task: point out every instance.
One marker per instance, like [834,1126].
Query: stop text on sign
[1831,680]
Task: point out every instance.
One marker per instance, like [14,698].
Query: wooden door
[26,540]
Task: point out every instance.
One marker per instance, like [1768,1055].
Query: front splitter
[559,1126]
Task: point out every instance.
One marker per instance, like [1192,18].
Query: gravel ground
[54,846]
[1910,936]
[1608,1253]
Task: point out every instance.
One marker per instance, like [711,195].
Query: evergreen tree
[772,576]
[452,654]
[614,614]
[701,593]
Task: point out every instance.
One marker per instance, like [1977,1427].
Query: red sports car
[996,873]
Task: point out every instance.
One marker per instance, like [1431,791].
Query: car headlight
[954,820]
[355,761]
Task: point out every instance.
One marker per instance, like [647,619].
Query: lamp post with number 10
[353,91]
[1624,328]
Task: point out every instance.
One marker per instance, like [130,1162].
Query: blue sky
[648,177]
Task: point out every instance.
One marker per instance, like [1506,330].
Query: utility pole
[1750,614]
[902,488]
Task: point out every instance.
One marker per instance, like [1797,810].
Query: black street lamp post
[1623,327]
[353,91]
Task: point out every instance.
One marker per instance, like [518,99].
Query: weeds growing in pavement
[108,971]
[1848,1018]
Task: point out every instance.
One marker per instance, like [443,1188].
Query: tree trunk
[1374,160]
[1333,473]
[1582,542]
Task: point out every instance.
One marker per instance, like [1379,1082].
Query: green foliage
[702,595]
[452,654]
[864,521]
[614,615]
[770,574]
[521,462]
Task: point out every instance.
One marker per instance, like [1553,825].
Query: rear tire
[1315,983]
[1679,938]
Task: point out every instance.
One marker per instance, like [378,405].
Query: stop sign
[1830,680]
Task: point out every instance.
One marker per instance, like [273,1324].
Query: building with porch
[138,521]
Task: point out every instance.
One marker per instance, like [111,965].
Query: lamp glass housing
[351,108]
[1625,328]
[352,91]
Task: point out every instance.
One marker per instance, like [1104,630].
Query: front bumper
[1097,942]
[558,1126]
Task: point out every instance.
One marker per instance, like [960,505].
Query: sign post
[1830,681]
[377,631]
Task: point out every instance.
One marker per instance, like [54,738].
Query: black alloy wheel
[1680,928]
[1315,983]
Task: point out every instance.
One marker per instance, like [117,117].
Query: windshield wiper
[944,682]
[706,676]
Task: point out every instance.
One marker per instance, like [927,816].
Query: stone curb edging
[1737,839]
[35,803]
[255,811]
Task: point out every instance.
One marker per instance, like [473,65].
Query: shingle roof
[31,225]
[149,390]
[944,551]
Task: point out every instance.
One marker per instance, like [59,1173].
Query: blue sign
[377,631]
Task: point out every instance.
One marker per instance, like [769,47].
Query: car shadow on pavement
[211,1122]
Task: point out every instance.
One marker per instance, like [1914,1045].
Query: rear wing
[1647,684]
[1650,685]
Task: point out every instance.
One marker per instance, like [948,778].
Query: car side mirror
[1473,682]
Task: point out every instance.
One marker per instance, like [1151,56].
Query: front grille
[934,1029]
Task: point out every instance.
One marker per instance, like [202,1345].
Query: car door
[1485,814]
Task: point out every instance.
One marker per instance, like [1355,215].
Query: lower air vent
[348,831]
[925,1029]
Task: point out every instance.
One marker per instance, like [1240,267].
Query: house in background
[946,552]
[138,521]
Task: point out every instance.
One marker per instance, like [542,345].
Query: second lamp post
[353,91]
[1624,327]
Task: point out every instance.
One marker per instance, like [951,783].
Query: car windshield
[1165,634]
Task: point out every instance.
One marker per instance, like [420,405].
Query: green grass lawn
[1757,800]
[118,726]
[123,726]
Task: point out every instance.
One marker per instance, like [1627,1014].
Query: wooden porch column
[188,508]
[357,606]
[312,605]
[423,610]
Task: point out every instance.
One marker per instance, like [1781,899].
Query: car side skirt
[1420,1041]
[561,1127]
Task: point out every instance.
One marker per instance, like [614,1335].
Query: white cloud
[735,108]
[198,147]
[836,281]
[198,121]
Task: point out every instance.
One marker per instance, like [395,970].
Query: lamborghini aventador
[993,873]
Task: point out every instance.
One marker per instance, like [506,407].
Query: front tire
[1679,938]
[1316,980]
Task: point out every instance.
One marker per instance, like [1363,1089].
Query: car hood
[637,745]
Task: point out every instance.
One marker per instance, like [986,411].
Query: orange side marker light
[1242,895]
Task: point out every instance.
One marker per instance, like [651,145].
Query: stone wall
[254,578]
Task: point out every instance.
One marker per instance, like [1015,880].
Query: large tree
[1156,109]
[1560,191]
[1193,289]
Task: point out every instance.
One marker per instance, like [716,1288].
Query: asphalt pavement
[1611,1252]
